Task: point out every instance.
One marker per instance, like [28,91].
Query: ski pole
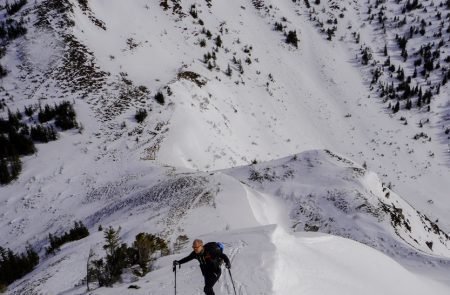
[231,277]
[175,272]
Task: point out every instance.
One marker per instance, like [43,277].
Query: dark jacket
[210,259]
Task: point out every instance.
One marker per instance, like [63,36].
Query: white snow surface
[292,110]
[286,101]
[270,254]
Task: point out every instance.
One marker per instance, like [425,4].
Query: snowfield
[255,217]
[285,154]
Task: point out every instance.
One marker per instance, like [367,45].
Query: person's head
[197,245]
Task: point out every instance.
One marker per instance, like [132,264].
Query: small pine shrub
[278,26]
[218,41]
[160,97]
[396,107]
[84,4]
[193,11]
[307,4]
[3,72]
[164,4]
[291,38]
[29,111]
[140,115]
[228,72]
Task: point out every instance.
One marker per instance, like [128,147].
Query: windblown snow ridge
[331,194]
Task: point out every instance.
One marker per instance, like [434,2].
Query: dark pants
[210,279]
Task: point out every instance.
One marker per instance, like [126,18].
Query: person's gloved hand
[228,265]
[175,263]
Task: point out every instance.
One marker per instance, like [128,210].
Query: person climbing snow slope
[210,257]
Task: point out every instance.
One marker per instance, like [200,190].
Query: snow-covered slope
[269,261]
[356,194]
[280,101]
[313,189]
[248,98]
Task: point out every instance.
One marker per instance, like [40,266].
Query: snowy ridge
[315,188]
[348,201]
[298,220]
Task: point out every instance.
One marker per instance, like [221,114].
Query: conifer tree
[396,107]
[218,41]
[145,245]
[408,104]
[159,97]
[29,111]
[210,66]
[16,167]
[3,71]
[291,38]
[228,71]
[4,172]
[90,271]
[419,102]
[164,4]
[115,254]
[140,115]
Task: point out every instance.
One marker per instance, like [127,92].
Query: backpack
[221,246]
[215,249]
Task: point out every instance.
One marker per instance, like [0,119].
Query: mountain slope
[279,100]
[313,189]
[234,93]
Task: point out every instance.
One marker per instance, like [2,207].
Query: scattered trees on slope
[106,271]
[78,232]
[414,69]
[15,6]
[17,137]
[14,266]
